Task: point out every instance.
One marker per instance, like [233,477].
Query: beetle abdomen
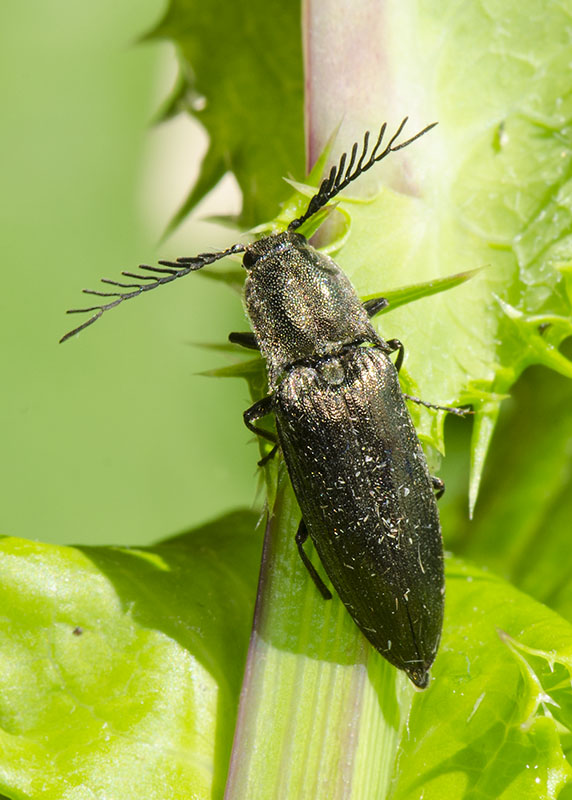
[366,497]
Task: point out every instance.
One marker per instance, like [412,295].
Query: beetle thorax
[300,303]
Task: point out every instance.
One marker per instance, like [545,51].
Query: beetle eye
[249,259]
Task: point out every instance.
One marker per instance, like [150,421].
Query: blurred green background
[112,437]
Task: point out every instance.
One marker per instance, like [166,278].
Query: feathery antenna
[340,176]
[167,272]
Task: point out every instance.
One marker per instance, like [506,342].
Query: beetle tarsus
[439,487]
[260,409]
[395,344]
[268,457]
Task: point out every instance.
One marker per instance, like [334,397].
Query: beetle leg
[301,536]
[395,344]
[439,487]
[260,409]
[460,412]
[375,305]
[268,457]
[247,340]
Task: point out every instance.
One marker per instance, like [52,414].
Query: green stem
[318,704]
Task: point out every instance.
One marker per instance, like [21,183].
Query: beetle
[367,499]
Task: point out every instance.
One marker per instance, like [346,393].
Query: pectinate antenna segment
[167,272]
[341,176]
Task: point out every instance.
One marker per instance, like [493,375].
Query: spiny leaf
[522,522]
[408,294]
[252,55]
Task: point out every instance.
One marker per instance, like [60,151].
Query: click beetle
[367,499]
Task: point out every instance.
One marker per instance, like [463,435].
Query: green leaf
[121,668]
[409,294]
[493,722]
[252,370]
[522,521]
[241,70]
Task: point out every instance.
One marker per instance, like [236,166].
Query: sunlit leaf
[121,668]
